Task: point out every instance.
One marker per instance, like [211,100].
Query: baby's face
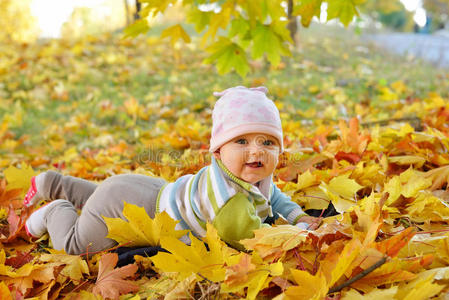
[251,157]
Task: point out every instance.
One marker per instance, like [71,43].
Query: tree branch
[358,276]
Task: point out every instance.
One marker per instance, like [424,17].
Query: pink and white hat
[241,110]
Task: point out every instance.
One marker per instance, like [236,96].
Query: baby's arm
[290,210]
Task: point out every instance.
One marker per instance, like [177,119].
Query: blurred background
[75,94]
[27,20]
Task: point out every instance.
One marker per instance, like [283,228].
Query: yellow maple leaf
[408,184]
[309,286]
[312,198]
[19,178]
[375,294]
[74,268]
[415,160]
[249,271]
[275,240]
[141,230]
[420,288]
[341,190]
[340,263]
[195,258]
[5,294]
[306,180]
[176,32]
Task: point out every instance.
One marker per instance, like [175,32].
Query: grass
[55,83]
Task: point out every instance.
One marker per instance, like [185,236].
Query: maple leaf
[15,224]
[309,286]
[9,271]
[337,264]
[341,190]
[5,294]
[19,178]
[20,259]
[195,258]
[390,272]
[345,10]
[393,245]
[10,197]
[228,55]
[141,230]
[274,242]
[420,288]
[351,140]
[307,10]
[74,268]
[175,32]
[110,282]
[329,232]
[439,177]
[374,294]
[238,272]
[408,184]
[249,272]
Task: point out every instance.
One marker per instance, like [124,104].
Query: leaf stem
[358,276]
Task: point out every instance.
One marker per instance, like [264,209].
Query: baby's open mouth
[256,164]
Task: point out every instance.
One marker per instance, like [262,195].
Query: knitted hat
[242,110]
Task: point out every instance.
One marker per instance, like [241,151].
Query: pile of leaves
[386,172]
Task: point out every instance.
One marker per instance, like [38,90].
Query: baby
[235,192]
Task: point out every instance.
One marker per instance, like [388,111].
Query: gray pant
[87,232]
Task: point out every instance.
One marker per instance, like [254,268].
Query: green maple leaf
[228,55]
[307,9]
[266,40]
[138,27]
[200,19]
[345,10]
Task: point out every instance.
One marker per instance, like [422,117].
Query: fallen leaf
[111,282]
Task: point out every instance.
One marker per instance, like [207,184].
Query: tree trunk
[138,8]
[127,12]
[292,25]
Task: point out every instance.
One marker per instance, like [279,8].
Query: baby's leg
[88,231]
[76,190]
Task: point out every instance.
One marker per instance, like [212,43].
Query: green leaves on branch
[228,55]
[226,27]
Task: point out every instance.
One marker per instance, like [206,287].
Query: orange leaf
[10,197]
[351,137]
[110,283]
[238,273]
[393,245]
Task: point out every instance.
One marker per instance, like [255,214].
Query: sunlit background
[52,14]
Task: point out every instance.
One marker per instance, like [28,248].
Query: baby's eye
[241,141]
[268,143]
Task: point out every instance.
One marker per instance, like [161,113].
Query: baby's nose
[256,149]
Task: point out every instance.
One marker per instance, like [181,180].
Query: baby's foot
[36,226]
[34,194]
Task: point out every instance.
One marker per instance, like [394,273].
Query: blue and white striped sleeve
[282,204]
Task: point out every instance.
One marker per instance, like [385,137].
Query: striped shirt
[195,200]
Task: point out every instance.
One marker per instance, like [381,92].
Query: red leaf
[19,260]
[350,157]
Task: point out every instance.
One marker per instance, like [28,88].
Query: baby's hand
[313,222]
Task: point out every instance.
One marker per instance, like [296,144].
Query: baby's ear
[217,154]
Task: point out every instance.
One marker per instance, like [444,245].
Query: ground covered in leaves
[364,130]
